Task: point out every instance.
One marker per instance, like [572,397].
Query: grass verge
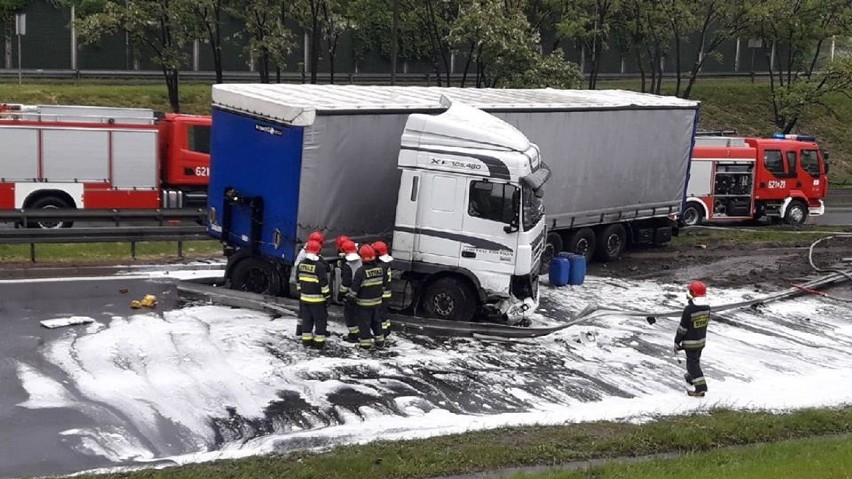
[760,236]
[524,446]
[803,458]
[94,253]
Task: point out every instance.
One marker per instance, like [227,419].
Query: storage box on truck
[734,179]
[457,191]
[65,156]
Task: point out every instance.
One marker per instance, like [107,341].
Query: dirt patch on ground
[755,266]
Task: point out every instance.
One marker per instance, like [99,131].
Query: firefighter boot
[379,342]
[307,340]
[352,337]
[687,378]
[319,342]
[695,394]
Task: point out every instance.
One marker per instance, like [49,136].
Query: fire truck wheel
[49,203]
[611,243]
[449,298]
[552,247]
[691,216]
[582,242]
[797,213]
[256,275]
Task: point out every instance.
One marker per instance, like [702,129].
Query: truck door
[439,219]
[811,174]
[492,209]
[778,173]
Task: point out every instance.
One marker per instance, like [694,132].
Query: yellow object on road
[149,301]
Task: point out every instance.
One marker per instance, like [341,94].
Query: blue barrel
[560,271]
[578,269]
[565,255]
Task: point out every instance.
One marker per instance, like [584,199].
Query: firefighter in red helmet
[691,335]
[314,236]
[385,259]
[314,293]
[351,264]
[366,291]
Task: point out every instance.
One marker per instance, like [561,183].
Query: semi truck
[783,178]
[86,157]
[454,190]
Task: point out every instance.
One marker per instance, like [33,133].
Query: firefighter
[691,335]
[351,264]
[314,294]
[337,269]
[314,236]
[366,291]
[385,259]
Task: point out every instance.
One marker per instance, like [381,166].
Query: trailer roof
[299,104]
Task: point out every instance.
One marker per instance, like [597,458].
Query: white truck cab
[470,202]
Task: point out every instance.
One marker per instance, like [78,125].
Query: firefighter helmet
[697,289]
[381,248]
[349,247]
[317,236]
[313,247]
[367,253]
[340,241]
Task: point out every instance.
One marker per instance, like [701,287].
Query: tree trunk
[217,42]
[394,39]
[173,87]
[467,63]
[316,40]
[8,56]
[641,65]
[677,60]
[263,67]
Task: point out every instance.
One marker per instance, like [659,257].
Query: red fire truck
[61,156]
[782,178]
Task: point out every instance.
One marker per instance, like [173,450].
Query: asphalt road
[30,439]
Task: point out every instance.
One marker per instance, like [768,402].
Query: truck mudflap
[816,209]
[207,290]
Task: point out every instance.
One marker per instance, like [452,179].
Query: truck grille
[538,246]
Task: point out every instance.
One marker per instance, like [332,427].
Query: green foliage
[270,41]
[373,25]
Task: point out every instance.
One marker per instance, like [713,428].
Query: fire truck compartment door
[700,178]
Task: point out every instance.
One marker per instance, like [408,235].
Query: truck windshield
[533,207]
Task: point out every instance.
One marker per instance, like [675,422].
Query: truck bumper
[817,210]
[522,301]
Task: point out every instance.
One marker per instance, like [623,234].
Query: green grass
[826,457]
[759,236]
[725,104]
[107,252]
[535,445]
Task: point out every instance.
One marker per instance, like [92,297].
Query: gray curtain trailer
[619,159]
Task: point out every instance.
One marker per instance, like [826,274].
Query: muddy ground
[762,266]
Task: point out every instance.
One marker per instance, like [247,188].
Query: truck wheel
[449,298]
[611,243]
[49,203]
[256,275]
[582,242]
[552,247]
[691,216]
[796,214]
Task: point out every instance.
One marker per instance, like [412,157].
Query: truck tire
[256,275]
[49,203]
[582,242]
[552,247]
[611,243]
[449,298]
[796,214]
[691,215]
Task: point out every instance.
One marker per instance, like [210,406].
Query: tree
[497,36]
[8,9]
[270,41]
[796,32]
[589,22]
[335,23]
[372,24]
[163,26]
[716,22]
[209,16]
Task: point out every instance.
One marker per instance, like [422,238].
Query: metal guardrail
[121,234]
[115,216]
[297,77]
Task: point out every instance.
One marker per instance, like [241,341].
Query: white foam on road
[168,377]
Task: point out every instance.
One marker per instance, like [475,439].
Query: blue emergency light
[782,136]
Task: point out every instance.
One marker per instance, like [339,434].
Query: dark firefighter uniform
[351,264]
[691,335]
[313,296]
[385,263]
[294,278]
[368,286]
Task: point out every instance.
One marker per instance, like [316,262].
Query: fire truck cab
[783,178]
[86,157]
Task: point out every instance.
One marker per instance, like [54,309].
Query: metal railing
[164,230]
